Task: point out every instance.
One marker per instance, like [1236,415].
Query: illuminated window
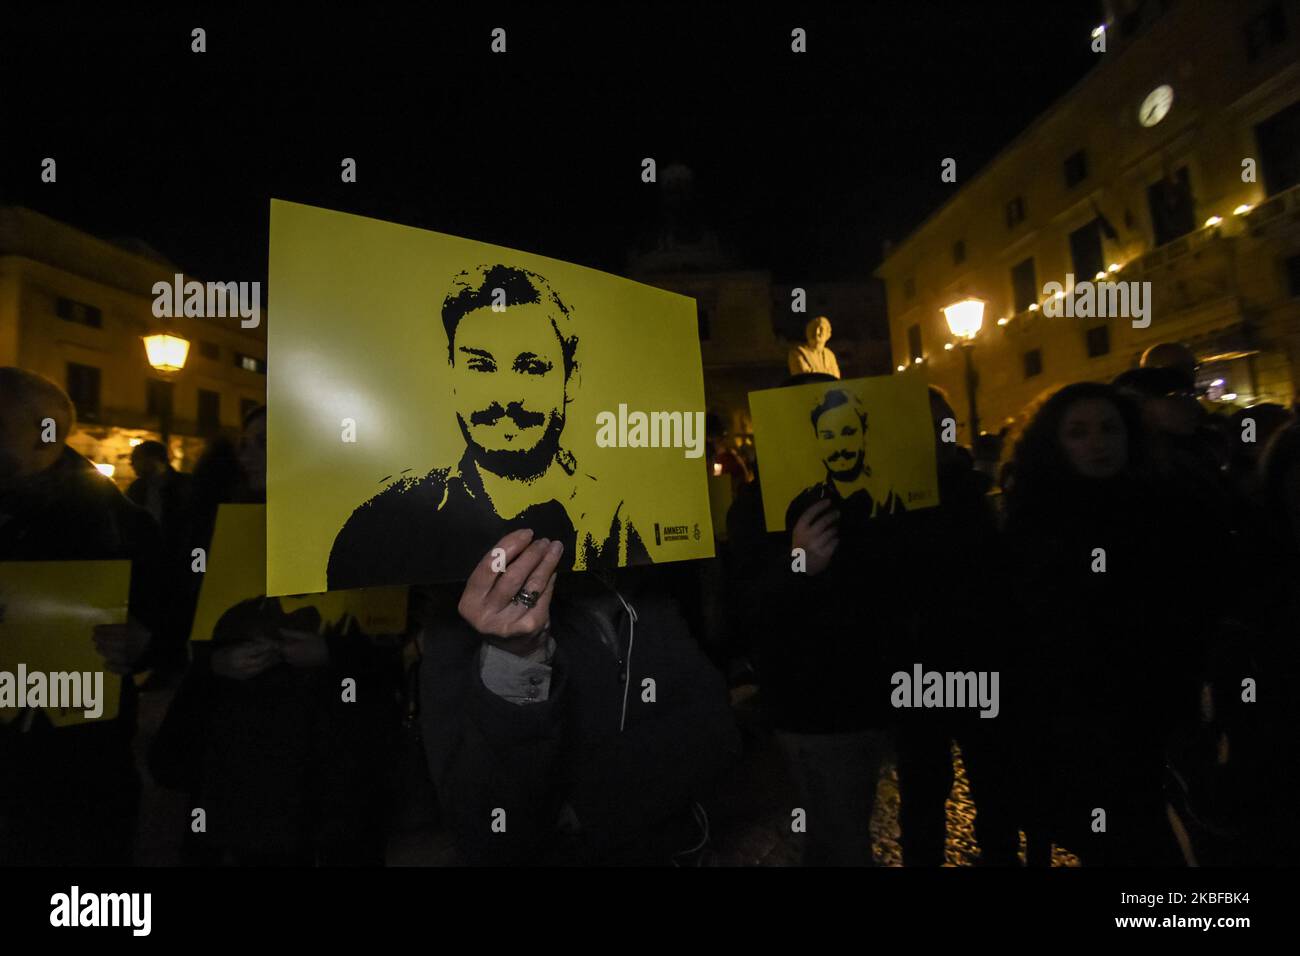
[250,363]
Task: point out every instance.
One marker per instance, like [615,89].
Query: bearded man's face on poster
[843,441]
[508,386]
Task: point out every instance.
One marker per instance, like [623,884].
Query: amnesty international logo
[674,532]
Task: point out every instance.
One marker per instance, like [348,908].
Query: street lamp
[964,321]
[167,354]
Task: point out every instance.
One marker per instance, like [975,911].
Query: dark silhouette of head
[36,418]
[1086,432]
[149,459]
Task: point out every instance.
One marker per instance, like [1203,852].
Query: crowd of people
[1124,560]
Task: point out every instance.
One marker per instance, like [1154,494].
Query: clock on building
[1156,105]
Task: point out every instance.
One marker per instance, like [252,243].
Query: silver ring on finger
[526,598]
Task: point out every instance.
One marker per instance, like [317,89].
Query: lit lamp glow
[167,353]
[1242,209]
[105,469]
[965,317]
[1213,221]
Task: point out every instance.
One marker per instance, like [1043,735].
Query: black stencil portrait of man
[840,423]
[514,357]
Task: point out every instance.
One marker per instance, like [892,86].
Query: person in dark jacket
[570,722]
[822,666]
[952,554]
[158,488]
[70,795]
[291,769]
[1103,569]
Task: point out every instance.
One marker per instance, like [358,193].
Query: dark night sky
[803,163]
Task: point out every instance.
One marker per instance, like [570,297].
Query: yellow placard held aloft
[236,572]
[866,440]
[429,394]
[48,613]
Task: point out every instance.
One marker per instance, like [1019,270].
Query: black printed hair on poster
[834,399]
[475,288]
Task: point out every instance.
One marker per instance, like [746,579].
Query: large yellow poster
[48,614]
[428,394]
[870,440]
[236,572]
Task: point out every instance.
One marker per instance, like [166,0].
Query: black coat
[67,795]
[629,789]
[1108,662]
[824,663]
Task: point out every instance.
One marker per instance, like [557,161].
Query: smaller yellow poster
[236,572]
[868,441]
[48,614]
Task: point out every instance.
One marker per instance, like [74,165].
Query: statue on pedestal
[813,355]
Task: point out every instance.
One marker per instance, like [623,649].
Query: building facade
[748,323]
[1174,162]
[76,308]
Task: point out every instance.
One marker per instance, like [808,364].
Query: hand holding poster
[867,444]
[48,614]
[431,394]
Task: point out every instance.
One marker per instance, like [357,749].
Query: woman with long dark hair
[1108,656]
